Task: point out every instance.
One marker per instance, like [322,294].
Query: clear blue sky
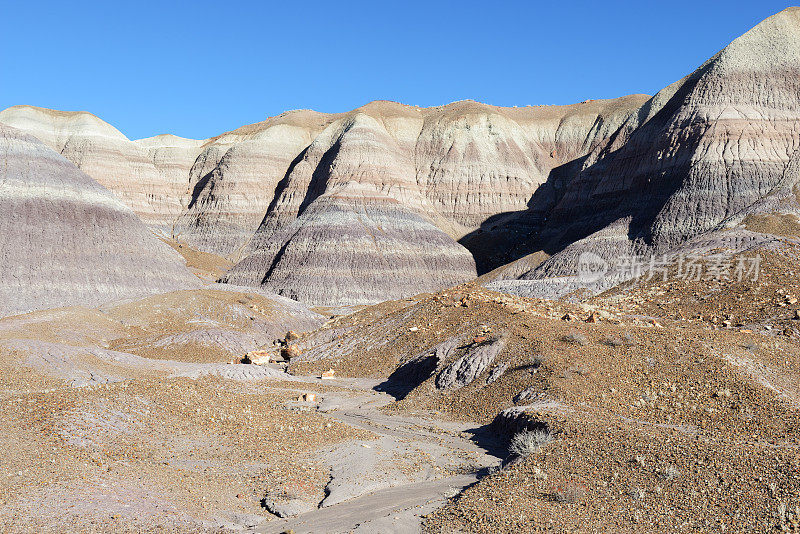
[197,69]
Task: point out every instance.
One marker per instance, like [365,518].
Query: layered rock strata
[698,157]
[298,192]
[65,240]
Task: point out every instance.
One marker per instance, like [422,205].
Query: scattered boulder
[258,357]
[529,395]
[290,351]
[291,335]
[470,365]
[263,357]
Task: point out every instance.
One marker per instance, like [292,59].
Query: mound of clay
[65,240]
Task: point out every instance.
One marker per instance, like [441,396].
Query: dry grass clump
[637,493]
[613,342]
[528,442]
[626,340]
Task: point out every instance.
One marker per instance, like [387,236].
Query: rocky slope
[64,239]
[657,420]
[669,422]
[701,155]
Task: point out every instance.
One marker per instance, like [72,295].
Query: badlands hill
[697,159]
[399,181]
[388,199]
[66,240]
[148,176]
[438,173]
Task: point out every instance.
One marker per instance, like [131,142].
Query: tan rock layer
[470,161]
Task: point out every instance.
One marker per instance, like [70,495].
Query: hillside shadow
[316,187]
[283,184]
[199,187]
[633,183]
[488,439]
[409,376]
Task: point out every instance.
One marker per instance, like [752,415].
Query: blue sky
[197,69]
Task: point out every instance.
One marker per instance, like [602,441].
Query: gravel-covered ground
[664,415]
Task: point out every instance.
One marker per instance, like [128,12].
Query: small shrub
[528,442]
[575,338]
[580,370]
